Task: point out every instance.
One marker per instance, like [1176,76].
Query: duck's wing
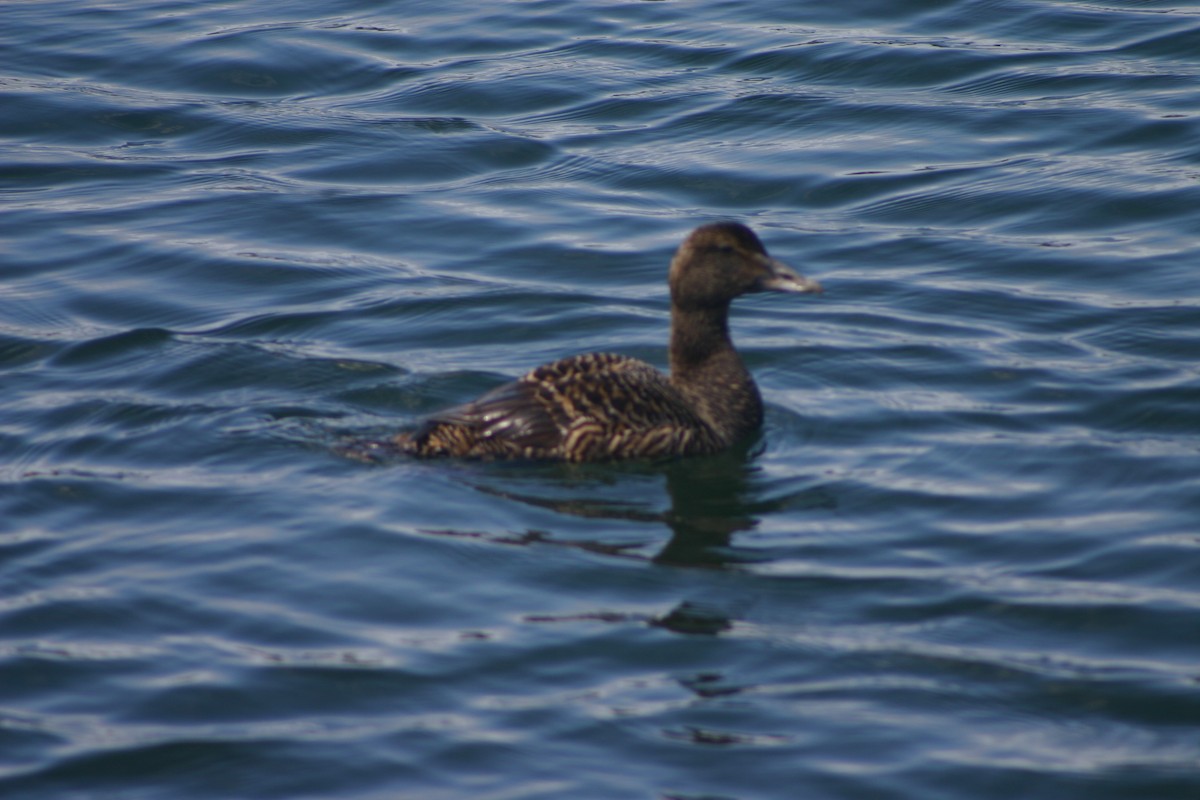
[583,408]
[507,421]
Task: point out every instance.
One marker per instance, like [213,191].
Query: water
[961,561]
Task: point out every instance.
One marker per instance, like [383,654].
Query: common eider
[602,406]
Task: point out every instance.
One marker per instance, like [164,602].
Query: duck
[605,406]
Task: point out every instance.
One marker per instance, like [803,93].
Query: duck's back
[585,408]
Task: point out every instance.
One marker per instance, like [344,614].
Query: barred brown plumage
[602,406]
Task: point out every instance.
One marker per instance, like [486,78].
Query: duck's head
[723,260]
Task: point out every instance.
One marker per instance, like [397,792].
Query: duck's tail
[373,451]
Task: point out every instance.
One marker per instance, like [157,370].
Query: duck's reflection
[710,502]
[711,499]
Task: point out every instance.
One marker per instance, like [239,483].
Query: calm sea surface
[961,562]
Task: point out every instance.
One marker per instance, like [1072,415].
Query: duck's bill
[782,278]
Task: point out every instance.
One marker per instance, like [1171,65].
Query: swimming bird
[601,406]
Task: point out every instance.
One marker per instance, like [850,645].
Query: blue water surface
[961,561]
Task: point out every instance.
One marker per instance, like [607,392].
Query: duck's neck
[707,369]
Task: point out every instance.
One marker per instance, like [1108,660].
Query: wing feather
[582,408]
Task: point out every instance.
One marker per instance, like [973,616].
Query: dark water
[962,561]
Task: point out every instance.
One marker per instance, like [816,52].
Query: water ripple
[960,555]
